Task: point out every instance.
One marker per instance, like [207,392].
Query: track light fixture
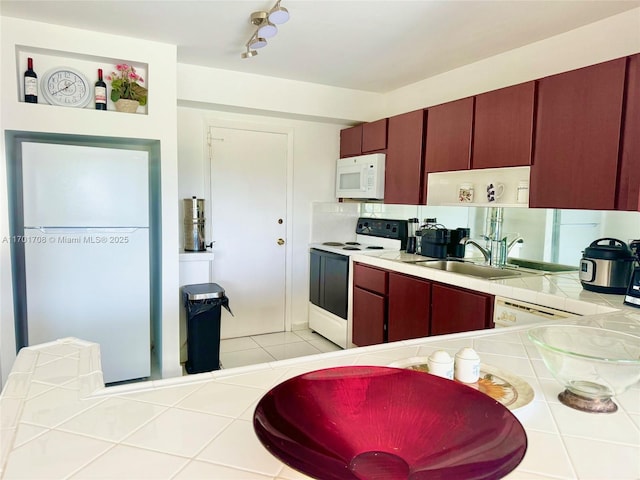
[265,23]
[257,42]
[278,15]
[249,53]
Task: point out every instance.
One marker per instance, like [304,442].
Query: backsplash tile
[333,221]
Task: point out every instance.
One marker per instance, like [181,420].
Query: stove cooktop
[353,246]
[372,235]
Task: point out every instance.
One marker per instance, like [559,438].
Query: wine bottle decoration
[101,92]
[30,83]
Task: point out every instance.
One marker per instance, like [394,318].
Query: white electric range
[361,245]
[329,273]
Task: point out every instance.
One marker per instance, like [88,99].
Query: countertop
[561,291]
[59,422]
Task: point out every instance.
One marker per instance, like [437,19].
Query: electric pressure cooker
[606,266]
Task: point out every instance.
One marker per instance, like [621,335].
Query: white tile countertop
[561,291]
[58,421]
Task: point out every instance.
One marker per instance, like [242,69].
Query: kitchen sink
[545,267]
[480,271]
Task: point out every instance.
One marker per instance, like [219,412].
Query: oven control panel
[380,227]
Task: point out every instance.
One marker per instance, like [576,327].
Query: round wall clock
[66,87]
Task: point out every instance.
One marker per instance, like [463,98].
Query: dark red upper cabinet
[448,136]
[365,138]
[374,136]
[577,138]
[628,195]
[404,172]
[351,141]
[503,127]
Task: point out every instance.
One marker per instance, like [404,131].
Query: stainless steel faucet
[496,254]
[485,253]
[513,243]
[497,250]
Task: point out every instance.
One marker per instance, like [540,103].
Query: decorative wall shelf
[45,60]
[443,187]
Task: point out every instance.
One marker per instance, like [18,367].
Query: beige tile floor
[237,352]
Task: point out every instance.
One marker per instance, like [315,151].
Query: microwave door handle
[363,179]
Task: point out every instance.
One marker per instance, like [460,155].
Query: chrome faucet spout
[485,253]
[513,243]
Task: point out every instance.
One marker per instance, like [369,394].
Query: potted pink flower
[126,91]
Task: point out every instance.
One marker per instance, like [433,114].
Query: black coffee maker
[455,248]
[437,241]
[632,297]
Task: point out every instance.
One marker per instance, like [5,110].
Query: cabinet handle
[281,241]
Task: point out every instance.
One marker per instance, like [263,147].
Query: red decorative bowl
[381,423]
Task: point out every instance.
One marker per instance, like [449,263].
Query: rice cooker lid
[614,249]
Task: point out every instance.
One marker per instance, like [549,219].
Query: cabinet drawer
[369,278]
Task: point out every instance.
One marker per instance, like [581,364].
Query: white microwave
[360,177]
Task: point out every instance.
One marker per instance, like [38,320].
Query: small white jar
[467,366]
[440,363]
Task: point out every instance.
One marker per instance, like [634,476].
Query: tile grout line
[264,347]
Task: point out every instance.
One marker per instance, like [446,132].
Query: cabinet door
[369,312]
[455,310]
[404,181]
[409,301]
[374,136]
[351,141]
[503,127]
[448,137]
[629,187]
[577,138]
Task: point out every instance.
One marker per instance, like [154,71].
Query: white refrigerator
[86,251]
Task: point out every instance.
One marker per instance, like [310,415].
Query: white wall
[75,45]
[614,37]
[607,39]
[222,90]
[315,149]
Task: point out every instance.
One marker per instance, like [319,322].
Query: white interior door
[248,219]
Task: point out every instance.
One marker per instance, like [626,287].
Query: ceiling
[366,45]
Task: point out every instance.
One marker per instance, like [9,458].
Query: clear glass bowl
[383,423]
[592,363]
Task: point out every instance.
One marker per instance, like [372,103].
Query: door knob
[281,241]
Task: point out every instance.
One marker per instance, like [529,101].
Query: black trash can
[203,304]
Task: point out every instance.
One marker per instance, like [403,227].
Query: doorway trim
[212,122]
